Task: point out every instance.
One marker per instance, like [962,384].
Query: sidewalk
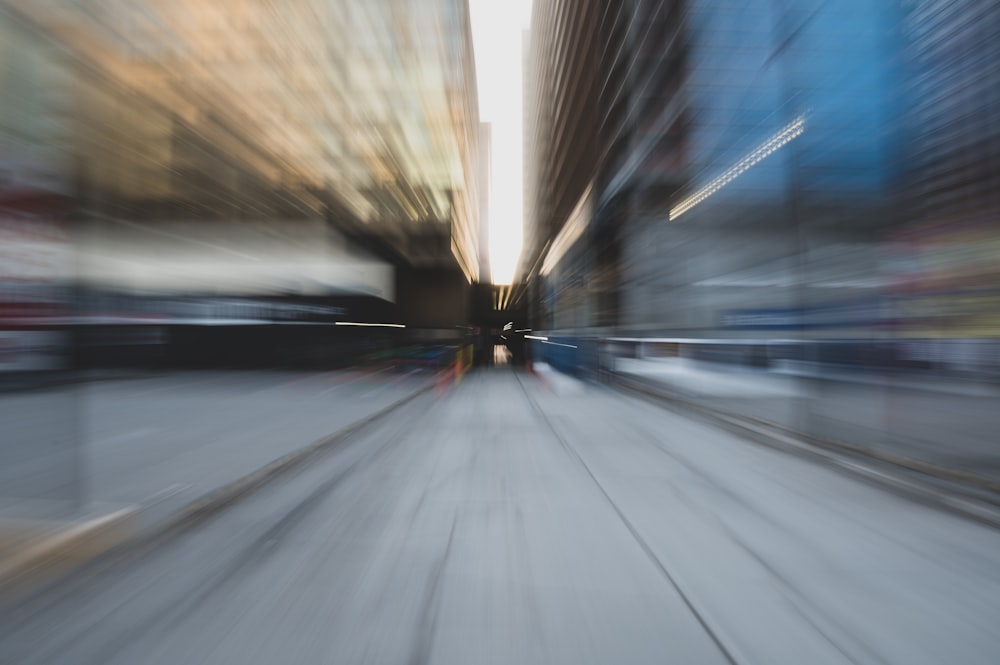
[159,450]
[946,429]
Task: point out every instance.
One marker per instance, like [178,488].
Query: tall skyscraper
[695,160]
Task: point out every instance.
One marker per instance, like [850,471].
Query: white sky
[497,27]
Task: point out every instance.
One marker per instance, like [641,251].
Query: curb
[43,553]
[98,544]
[854,459]
[217,500]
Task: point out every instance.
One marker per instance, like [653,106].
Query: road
[512,520]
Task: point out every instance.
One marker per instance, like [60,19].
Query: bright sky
[497,28]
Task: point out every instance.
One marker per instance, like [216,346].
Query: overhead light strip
[787,133]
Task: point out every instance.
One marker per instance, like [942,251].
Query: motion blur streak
[793,130]
[791,213]
[265,398]
[517,520]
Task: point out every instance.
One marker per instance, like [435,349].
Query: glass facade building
[750,156]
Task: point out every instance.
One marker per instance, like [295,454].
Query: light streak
[786,134]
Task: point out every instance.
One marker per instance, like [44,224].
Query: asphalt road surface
[511,520]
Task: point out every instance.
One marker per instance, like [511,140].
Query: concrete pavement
[137,455]
[510,520]
[947,429]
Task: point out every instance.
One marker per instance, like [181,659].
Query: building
[945,280]
[361,117]
[693,162]
[485,173]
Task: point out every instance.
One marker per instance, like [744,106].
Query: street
[512,520]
